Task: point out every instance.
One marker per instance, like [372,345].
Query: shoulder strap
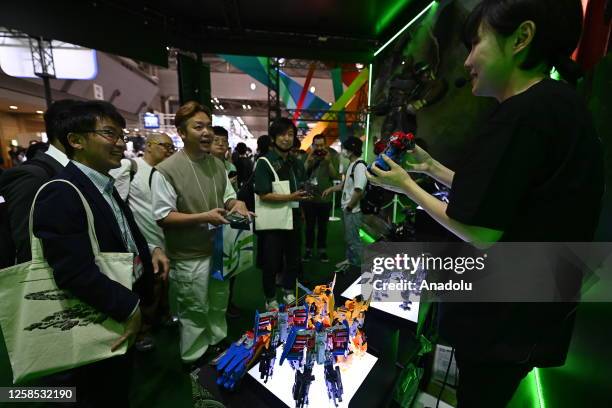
[43,165]
[36,245]
[133,168]
[271,168]
[153,170]
[355,165]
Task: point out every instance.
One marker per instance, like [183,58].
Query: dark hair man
[19,184]
[219,148]
[191,195]
[281,247]
[526,173]
[92,136]
[322,166]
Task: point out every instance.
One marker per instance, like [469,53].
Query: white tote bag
[46,329]
[272,215]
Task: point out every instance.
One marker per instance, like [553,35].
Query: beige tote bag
[272,215]
[46,329]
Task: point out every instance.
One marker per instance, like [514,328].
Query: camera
[320,153]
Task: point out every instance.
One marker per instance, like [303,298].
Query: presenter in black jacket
[535,174]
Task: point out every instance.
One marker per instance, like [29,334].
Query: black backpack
[374,197]
[7,246]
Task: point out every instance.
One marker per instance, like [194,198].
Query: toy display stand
[281,383]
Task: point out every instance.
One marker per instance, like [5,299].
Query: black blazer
[18,186]
[61,223]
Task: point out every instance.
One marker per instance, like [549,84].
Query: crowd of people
[165,208]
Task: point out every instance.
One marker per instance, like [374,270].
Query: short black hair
[558,29]
[281,126]
[353,145]
[81,117]
[317,137]
[52,115]
[220,131]
[263,144]
[241,148]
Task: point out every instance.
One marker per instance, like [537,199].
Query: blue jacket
[61,223]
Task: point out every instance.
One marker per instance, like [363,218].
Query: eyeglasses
[221,141]
[168,146]
[111,135]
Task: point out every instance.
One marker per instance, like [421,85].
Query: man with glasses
[219,148]
[92,136]
[132,181]
[191,196]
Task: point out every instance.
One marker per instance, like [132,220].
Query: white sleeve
[229,193]
[163,196]
[122,178]
[360,176]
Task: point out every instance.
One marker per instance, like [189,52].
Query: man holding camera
[321,170]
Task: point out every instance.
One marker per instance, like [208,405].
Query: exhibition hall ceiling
[333,30]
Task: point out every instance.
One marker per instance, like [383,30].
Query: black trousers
[317,216]
[102,384]
[280,249]
[488,385]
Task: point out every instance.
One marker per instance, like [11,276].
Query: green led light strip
[366,151]
[366,237]
[405,27]
[538,385]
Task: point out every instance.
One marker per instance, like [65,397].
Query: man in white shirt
[353,188]
[132,181]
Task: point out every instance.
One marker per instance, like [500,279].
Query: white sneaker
[272,304]
[289,298]
[340,264]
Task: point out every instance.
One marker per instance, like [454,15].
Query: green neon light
[390,15]
[433,3]
[554,74]
[367,141]
[538,384]
[367,238]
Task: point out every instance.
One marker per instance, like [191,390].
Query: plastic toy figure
[311,333]
[398,145]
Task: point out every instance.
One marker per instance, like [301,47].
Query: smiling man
[191,194]
[92,136]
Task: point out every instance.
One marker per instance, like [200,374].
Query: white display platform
[392,308]
[425,400]
[281,382]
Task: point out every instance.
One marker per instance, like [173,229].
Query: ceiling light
[40,112]
[136,130]
[248,106]
[221,106]
[13,107]
[359,65]
[281,61]
[313,89]
[253,86]
[244,106]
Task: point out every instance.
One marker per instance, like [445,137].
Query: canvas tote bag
[272,215]
[46,329]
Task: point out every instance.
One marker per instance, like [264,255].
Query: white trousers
[200,303]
